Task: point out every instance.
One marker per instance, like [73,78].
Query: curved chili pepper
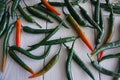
[56,17]
[26,16]
[68,63]
[117,55]
[48,66]
[38,14]
[36,31]
[78,18]
[77,59]
[5,45]
[81,34]
[103,70]
[46,38]
[114,44]
[26,53]
[2,9]
[111,31]
[117,78]
[50,7]
[91,21]
[100,34]
[60,4]
[18,32]
[19,61]
[14,6]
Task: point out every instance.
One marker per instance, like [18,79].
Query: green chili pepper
[77,59]
[98,67]
[97,11]
[57,41]
[111,26]
[38,14]
[48,66]
[36,31]
[2,9]
[84,1]
[78,18]
[91,21]
[26,16]
[46,38]
[114,44]
[19,61]
[117,11]
[103,70]
[117,55]
[60,4]
[26,53]
[68,63]
[5,45]
[56,17]
[14,6]
[4,23]
[100,34]
[117,78]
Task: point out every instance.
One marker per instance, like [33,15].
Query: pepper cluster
[76,20]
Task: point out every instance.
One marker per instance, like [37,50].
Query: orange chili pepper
[18,32]
[80,32]
[50,7]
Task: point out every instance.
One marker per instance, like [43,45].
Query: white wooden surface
[14,72]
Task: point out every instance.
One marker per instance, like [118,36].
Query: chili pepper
[96,12]
[26,53]
[117,11]
[48,66]
[2,9]
[14,6]
[56,17]
[106,6]
[38,14]
[18,32]
[77,59]
[103,70]
[114,44]
[100,34]
[36,31]
[98,67]
[91,21]
[57,41]
[117,55]
[117,78]
[4,23]
[50,7]
[79,31]
[5,45]
[46,38]
[84,1]
[19,61]
[26,16]
[78,18]
[111,30]
[68,63]
[60,4]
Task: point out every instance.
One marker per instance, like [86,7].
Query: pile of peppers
[75,20]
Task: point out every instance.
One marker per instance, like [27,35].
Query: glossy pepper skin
[5,46]
[78,18]
[80,32]
[50,7]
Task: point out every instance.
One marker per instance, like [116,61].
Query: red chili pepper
[80,32]
[18,33]
[50,7]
